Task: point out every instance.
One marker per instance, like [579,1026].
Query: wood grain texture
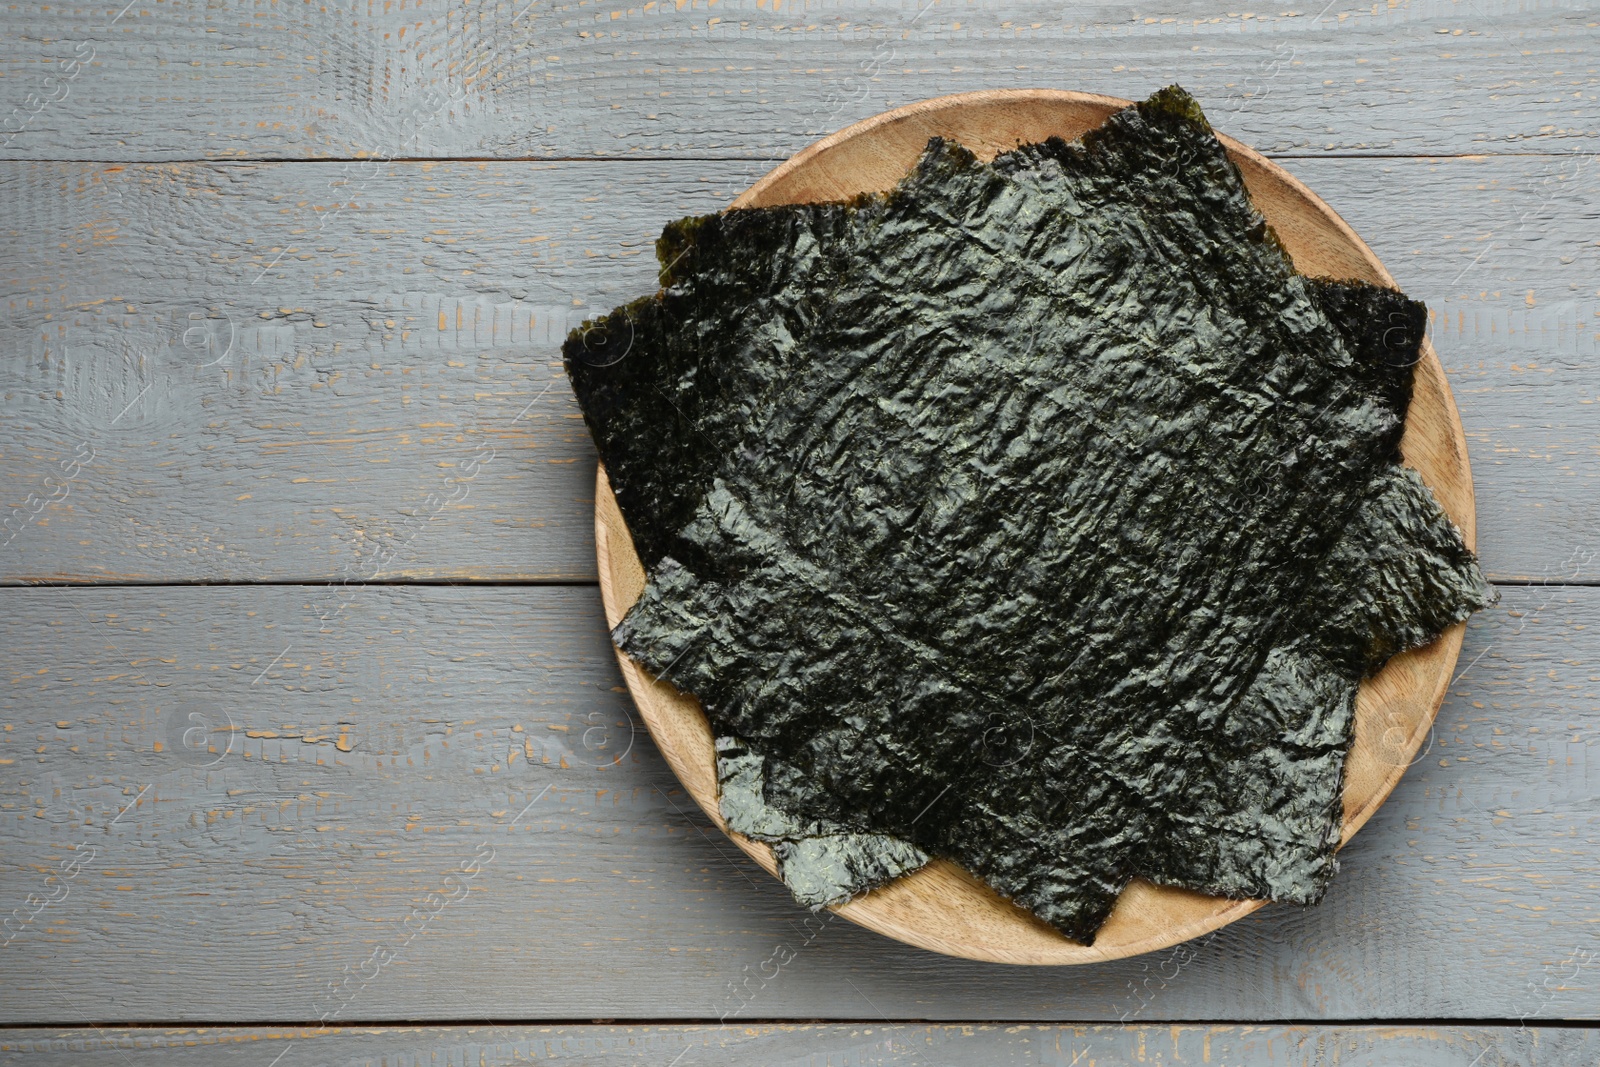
[286,371]
[764,78]
[319,423]
[941,907]
[323,356]
[324,817]
[852,1045]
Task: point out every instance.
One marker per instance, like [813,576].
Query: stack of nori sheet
[1036,514]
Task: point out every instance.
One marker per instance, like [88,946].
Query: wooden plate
[941,907]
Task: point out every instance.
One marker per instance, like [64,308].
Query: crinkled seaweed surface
[1035,514]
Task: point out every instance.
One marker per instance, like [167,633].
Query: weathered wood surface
[386,803]
[284,371]
[312,802]
[319,371]
[238,79]
[864,1044]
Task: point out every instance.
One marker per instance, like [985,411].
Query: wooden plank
[298,372]
[384,803]
[850,1045]
[323,371]
[520,78]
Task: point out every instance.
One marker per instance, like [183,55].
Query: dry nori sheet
[1035,513]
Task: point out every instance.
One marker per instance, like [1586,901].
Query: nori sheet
[1036,514]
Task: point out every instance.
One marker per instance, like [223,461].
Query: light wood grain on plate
[942,907]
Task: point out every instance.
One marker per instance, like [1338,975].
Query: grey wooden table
[309,721]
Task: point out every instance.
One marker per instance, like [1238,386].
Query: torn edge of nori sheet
[824,864]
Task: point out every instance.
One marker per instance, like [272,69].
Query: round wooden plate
[942,907]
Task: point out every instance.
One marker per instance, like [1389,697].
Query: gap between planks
[175,583]
[509,583]
[643,159]
[873,1020]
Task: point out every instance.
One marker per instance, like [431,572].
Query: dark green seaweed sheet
[1036,513]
